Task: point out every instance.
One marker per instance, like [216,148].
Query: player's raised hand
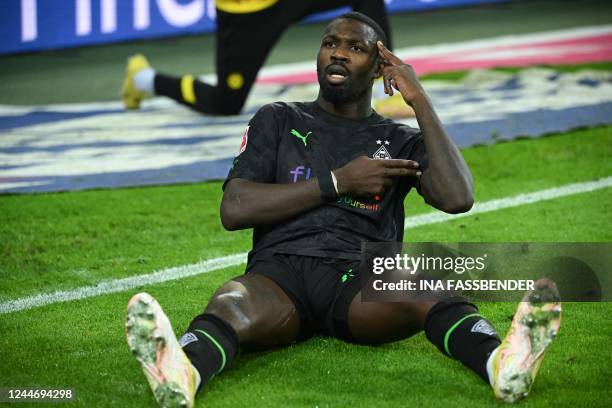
[365,177]
[399,75]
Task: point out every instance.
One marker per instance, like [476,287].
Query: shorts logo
[382,152]
[299,136]
[482,326]
[245,140]
[346,276]
[187,338]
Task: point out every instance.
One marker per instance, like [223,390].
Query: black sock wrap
[456,328]
[215,100]
[211,344]
[169,86]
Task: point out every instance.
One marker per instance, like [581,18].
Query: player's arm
[447,183]
[247,204]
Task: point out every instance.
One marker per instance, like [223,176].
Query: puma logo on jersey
[299,136]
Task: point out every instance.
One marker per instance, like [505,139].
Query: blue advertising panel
[35,25]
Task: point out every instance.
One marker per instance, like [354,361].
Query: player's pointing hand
[365,177]
[399,75]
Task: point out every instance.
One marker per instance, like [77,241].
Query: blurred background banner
[37,25]
[99,145]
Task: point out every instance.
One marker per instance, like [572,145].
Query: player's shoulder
[283,110]
[402,130]
[273,108]
[281,107]
[408,131]
[284,106]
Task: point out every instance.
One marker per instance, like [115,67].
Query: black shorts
[322,289]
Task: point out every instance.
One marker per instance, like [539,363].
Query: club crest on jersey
[381,153]
[245,140]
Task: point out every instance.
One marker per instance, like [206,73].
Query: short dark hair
[355,15]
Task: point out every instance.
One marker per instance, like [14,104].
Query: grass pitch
[63,241]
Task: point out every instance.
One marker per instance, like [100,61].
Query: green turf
[51,241]
[529,165]
[80,344]
[62,241]
[70,240]
[83,347]
[95,73]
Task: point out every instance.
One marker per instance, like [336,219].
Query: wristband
[326,185]
[335,181]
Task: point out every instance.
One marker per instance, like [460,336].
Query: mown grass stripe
[210,265]
[119,285]
[509,202]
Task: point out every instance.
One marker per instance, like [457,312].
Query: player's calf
[176,369]
[211,344]
[458,330]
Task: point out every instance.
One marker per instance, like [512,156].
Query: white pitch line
[211,265]
[508,202]
[119,285]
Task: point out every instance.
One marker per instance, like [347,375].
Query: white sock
[490,365]
[144,80]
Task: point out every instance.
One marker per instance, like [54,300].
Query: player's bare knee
[232,303]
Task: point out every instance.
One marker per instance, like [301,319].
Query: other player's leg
[375,9]
[248,310]
[243,41]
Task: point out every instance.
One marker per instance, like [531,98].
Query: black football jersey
[292,142]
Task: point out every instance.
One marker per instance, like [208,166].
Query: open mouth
[336,74]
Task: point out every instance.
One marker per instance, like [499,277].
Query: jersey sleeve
[256,159]
[414,149]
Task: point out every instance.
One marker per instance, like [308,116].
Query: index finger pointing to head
[391,57]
